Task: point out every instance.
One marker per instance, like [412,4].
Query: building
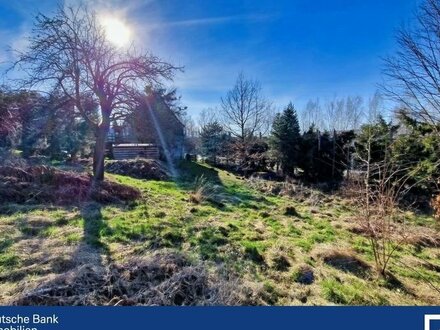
[152,124]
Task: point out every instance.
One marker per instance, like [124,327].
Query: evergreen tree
[285,139]
[375,139]
[324,157]
[213,140]
[417,152]
[309,153]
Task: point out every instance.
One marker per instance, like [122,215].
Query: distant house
[152,123]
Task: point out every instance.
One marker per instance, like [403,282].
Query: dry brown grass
[400,233]
[203,190]
[43,184]
[259,255]
[423,237]
[162,279]
[285,188]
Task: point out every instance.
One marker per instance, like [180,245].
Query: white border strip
[429,318]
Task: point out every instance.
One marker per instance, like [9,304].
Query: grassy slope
[250,236]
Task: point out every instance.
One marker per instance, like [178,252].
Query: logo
[429,318]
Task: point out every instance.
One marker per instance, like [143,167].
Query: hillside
[238,246]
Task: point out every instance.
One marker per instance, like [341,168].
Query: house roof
[179,121]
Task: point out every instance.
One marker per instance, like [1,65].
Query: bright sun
[116,31]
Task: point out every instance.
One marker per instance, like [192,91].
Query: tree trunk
[99,152]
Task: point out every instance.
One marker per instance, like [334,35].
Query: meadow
[209,237]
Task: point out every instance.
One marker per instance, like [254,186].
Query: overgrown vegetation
[279,249]
[344,211]
[43,184]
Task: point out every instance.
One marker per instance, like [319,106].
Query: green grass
[8,262]
[243,231]
[353,292]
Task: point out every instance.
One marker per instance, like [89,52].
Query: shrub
[203,190]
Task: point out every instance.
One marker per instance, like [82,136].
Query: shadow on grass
[36,252]
[226,195]
[190,171]
[93,225]
[391,282]
[90,212]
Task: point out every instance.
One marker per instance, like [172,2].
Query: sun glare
[116,31]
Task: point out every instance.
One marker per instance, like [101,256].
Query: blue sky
[297,49]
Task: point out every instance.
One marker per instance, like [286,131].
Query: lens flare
[116,31]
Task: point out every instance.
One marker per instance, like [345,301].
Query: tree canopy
[70,53]
[285,138]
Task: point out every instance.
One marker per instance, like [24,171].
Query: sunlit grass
[250,234]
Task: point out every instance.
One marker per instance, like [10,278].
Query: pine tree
[285,139]
[416,151]
[213,139]
[378,137]
[323,157]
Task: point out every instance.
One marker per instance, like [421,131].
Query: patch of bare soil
[138,168]
[44,184]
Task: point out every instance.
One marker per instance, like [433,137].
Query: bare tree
[334,114]
[380,216]
[191,129]
[311,115]
[339,113]
[69,52]
[208,116]
[9,123]
[386,180]
[375,107]
[245,110]
[354,112]
[343,114]
[414,70]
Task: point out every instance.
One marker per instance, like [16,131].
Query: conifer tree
[285,139]
[213,139]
